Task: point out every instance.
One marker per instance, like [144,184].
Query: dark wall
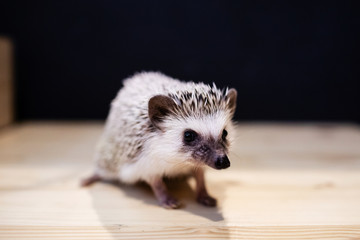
[289,60]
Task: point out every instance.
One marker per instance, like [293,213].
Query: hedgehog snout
[222,162]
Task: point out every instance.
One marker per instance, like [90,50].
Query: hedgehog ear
[159,107]
[232,96]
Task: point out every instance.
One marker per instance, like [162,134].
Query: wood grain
[182,232]
[285,182]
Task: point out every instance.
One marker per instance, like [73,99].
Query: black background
[289,60]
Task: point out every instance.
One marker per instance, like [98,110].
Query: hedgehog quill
[161,127]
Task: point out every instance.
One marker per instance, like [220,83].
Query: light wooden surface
[6,84]
[285,182]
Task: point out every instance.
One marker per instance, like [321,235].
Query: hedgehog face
[206,149]
[197,137]
[206,140]
[195,141]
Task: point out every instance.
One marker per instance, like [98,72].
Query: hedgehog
[159,127]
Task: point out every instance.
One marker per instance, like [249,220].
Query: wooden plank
[182,232]
[285,182]
[6,85]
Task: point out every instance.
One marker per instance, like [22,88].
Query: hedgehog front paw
[170,203]
[206,200]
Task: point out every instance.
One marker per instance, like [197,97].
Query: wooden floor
[285,182]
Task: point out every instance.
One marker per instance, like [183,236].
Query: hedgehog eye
[224,134]
[189,136]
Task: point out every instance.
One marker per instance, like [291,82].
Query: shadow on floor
[180,189]
[120,210]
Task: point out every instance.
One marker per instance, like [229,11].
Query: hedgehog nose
[222,162]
